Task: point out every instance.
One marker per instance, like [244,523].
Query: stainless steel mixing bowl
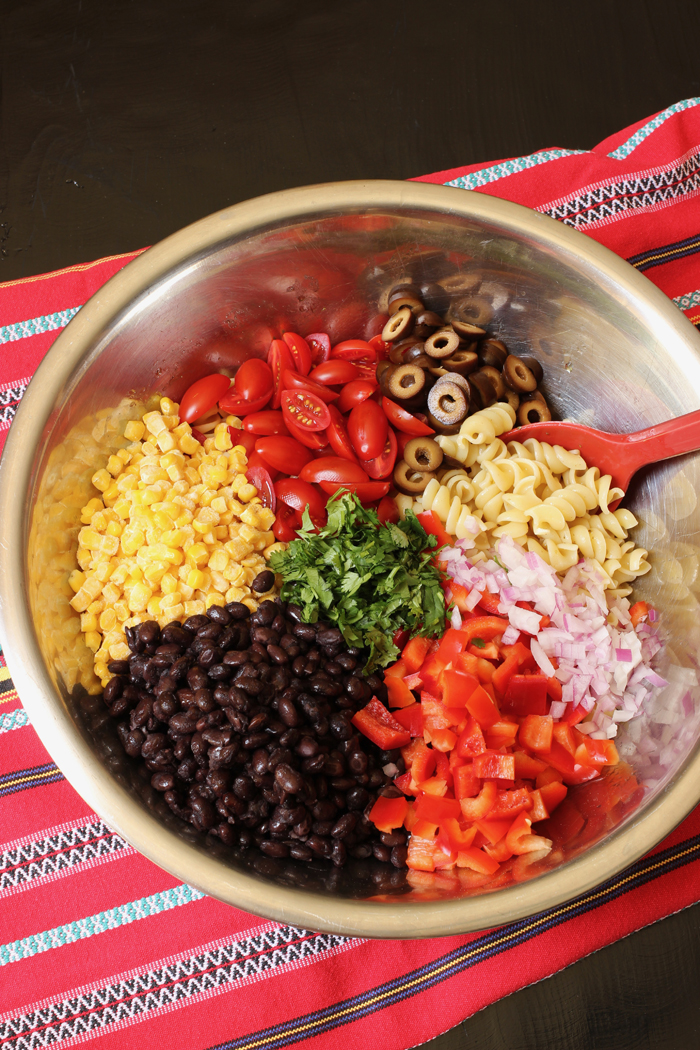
[616,353]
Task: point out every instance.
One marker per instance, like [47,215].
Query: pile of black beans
[243,722]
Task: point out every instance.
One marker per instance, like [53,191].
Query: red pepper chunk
[380,726]
[389,813]
[435,809]
[492,765]
[526,694]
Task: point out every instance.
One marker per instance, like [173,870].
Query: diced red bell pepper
[414,681]
[595,752]
[398,693]
[430,672]
[460,595]
[411,718]
[471,740]
[527,767]
[509,802]
[476,808]
[564,825]
[502,734]
[452,837]
[536,732]
[452,643]
[423,762]
[494,830]
[547,776]
[552,794]
[499,851]
[434,527]
[554,689]
[415,652]
[526,661]
[526,694]
[573,715]
[466,783]
[404,783]
[443,739]
[389,813]
[489,602]
[483,707]
[421,853]
[492,765]
[397,670]
[484,650]
[457,687]
[520,838]
[436,785]
[638,612]
[572,772]
[435,809]
[563,735]
[484,627]
[380,726]
[477,860]
[502,675]
[538,810]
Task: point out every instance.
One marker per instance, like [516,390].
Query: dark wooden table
[124,121]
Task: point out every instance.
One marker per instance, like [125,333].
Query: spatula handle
[675,437]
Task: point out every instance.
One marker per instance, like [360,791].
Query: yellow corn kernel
[115,465]
[168,407]
[234,594]
[154,423]
[168,600]
[222,438]
[114,529]
[131,540]
[196,579]
[219,505]
[122,611]
[103,571]
[166,442]
[101,480]
[233,572]
[247,492]
[111,593]
[83,558]
[187,443]
[272,549]
[96,607]
[194,608]
[207,515]
[214,598]
[185,591]
[212,475]
[119,651]
[238,548]
[93,640]
[181,429]
[126,483]
[76,580]
[108,620]
[237,459]
[134,430]
[124,455]
[91,507]
[88,622]
[209,538]
[135,574]
[120,574]
[154,572]
[139,597]
[218,561]
[250,602]
[197,554]
[168,584]
[219,582]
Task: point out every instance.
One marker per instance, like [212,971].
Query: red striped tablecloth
[96,943]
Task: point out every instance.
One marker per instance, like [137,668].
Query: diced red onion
[624,655]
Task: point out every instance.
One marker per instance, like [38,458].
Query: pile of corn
[178,528]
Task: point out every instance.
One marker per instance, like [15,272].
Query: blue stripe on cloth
[10,333]
[510,167]
[13,720]
[642,133]
[99,923]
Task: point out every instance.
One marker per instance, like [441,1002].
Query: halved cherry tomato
[301,352]
[355,392]
[388,511]
[380,347]
[403,420]
[299,495]
[261,423]
[202,396]
[320,347]
[368,429]
[279,358]
[256,460]
[260,477]
[283,453]
[382,465]
[315,440]
[239,405]
[253,379]
[286,524]
[293,381]
[199,436]
[354,350]
[333,469]
[366,491]
[305,410]
[334,373]
[338,436]
[242,437]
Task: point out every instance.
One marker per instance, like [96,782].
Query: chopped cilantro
[479,643]
[368,579]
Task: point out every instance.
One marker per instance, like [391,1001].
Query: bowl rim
[61,736]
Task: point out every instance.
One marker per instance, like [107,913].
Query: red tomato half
[253,379]
[283,453]
[403,420]
[354,350]
[356,392]
[338,436]
[202,396]
[320,347]
[334,373]
[260,477]
[332,469]
[293,381]
[382,465]
[366,491]
[286,524]
[261,423]
[388,511]
[239,405]
[381,347]
[368,429]
[301,352]
[256,460]
[279,358]
[314,440]
[305,410]
[242,437]
[298,495]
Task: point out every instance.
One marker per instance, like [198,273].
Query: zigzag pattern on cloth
[601,204]
[10,398]
[22,866]
[166,986]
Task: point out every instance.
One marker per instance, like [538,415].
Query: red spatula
[620,455]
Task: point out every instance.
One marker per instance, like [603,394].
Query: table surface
[124,122]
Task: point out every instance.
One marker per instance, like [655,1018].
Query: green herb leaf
[479,643]
[368,579]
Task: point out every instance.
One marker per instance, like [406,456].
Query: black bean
[113,690]
[237,610]
[357,798]
[148,632]
[118,667]
[289,779]
[265,613]
[338,854]
[162,781]
[271,848]
[277,654]
[393,838]
[398,856]
[220,615]
[203,813]
[319,845]
[343,826]
[133,742]
[183,722]
[263,582]
[300,852]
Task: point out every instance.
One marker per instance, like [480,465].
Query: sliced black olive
[410,481]
[534,366]
[426,323]
[460,380]
[384,375]
[448,403]
[483,392]
[496,378]
[423,454]
[444,428]
[533,411]
[406,381]
[398,352]
[399,325]
[435,297]
[442,343]
[493,352]
[398,300]
[474,312]
[462,283]
[517,375]
[417,356]
[512,399]
[463,361]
